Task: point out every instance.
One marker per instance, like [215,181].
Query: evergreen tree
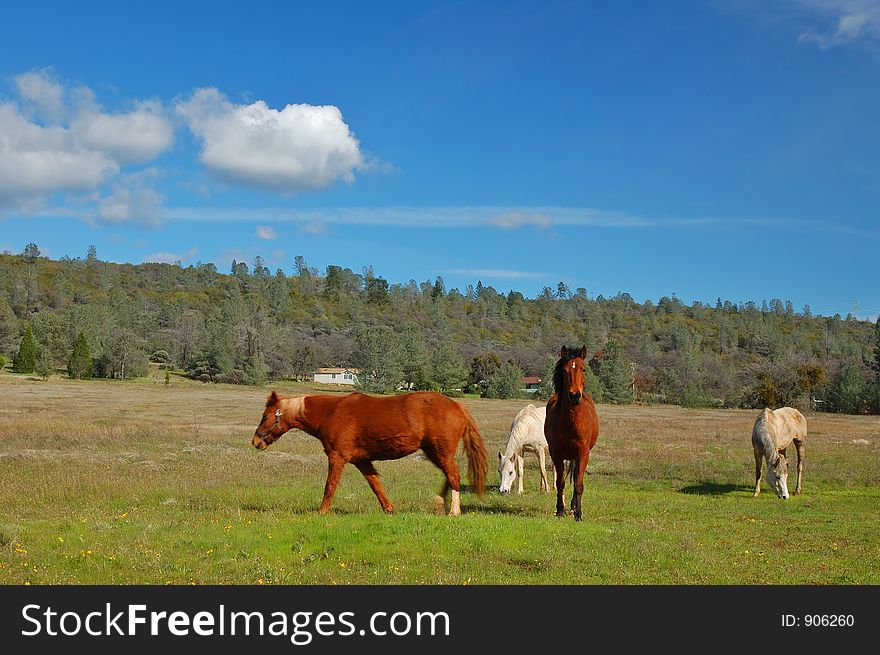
[79,364]
[26,359]
[507,383]
[848,392]
[448,369]
[43,366]
[616,375]
[377,356]
[414,358]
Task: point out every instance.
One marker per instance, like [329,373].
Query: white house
[336,375]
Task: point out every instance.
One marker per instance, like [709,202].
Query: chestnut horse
[358,429]
[571,427]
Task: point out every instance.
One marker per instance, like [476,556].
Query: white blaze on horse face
[777,477]
[507,473]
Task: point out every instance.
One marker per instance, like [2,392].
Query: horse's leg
[372,475]
[799,445]
[452,482]
[335,464]
[581,463]
[559,466]
[757,471]
[520,461]
[542,462]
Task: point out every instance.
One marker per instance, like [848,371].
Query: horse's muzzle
[258,443]
[575,397]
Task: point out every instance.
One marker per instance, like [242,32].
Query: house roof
[337,370]
[531,379]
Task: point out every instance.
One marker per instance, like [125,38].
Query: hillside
[252,325]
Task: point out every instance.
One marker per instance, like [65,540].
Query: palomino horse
[526,436]
[773,431]
[572,426]
[359,429]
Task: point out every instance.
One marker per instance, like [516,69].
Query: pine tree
[615,373]
[507,383]
[79,365]
[26,359]
[448,369]
[44,365]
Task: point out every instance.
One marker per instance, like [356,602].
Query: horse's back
[790,424]
[409,412]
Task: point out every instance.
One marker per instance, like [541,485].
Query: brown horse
[358,429]
[572,426]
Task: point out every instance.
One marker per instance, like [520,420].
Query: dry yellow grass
[176,464]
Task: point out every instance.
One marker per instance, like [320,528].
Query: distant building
[531,383]
[336,375]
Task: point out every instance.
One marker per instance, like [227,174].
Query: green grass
[137,483]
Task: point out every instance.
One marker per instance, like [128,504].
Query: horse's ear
[272,399]
[563,352]
[583,352]
[500,455]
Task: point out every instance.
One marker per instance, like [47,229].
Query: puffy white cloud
[267,232]
[42,95]
[131,205]
[36,161]
[299,148]
[133,138]
[49,144]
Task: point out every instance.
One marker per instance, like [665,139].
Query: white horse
[526,435]
[773,431]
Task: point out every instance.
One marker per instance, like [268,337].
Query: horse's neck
[310,413]
[514,446]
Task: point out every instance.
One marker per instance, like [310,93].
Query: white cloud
[133,138]
[837,22]
[171,257]
[516,219]
[37,161]
[50,143]
[435,217]
[125,205]
[42,95]
[299,148]
[267,232]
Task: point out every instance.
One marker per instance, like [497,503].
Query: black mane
[570,354]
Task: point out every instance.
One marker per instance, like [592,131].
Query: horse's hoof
[439,506]
[561,515]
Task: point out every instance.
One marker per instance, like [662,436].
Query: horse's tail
[478,462]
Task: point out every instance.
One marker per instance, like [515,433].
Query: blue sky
[706,149]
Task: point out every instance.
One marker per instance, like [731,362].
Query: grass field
[139,482]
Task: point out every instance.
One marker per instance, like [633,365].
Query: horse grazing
[358,429]
[773,431]
[526,436]
[572,426]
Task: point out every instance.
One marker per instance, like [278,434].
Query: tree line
[91,318]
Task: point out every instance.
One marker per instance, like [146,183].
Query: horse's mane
[761,435]
[528,418]
[558,384]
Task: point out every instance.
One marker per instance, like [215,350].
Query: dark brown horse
[358,429]
[572,426]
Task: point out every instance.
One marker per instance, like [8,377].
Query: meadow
[111,482]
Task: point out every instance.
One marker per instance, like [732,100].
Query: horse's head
[507,472]
[274,423]
[568,378]
[777,476]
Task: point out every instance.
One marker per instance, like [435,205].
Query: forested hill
[252,325]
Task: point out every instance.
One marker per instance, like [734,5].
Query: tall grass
[136,482]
